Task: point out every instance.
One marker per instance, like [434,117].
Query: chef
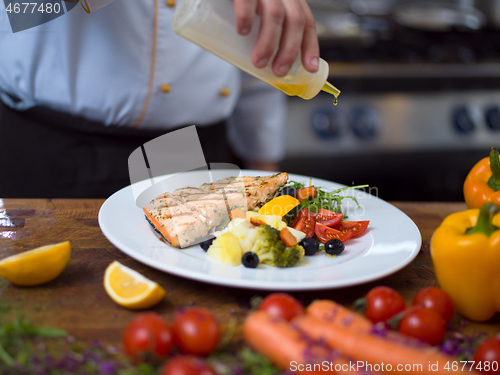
[81,92]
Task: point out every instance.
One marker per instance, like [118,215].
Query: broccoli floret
[271,250]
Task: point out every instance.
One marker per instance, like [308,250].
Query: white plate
[391,241]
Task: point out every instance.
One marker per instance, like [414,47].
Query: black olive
[288,190]
[206,244]
[250,260]
[334,247]
[310,245]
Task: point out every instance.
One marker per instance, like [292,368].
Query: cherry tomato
[487,356]
[437,299]
[196,331]
[326,234]
[305,222]
[148,336]
[357,228]
[382,303]
[187,365]
[281,305]
[328,218]
[424,324]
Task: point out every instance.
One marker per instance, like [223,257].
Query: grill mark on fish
[190,213]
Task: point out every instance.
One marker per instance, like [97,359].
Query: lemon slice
[130,289]
[37,266]
[279,206]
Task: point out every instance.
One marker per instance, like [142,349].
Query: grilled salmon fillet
[188,214]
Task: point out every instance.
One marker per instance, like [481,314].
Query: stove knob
[364,122]
[325,123]
[492,116]
[464,119]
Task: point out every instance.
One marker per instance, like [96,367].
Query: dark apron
[47,154]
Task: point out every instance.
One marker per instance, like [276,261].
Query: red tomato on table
[148,335]
[487,356]
[281,305]
[437,299]
[196,331]
[382,303]
[187,365]
[424,324]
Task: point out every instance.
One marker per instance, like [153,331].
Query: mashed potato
[246,232]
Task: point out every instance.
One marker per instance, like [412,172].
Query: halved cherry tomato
[326,234]
[355,227]
[305,222]
[328,218]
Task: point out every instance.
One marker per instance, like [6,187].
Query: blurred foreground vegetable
[345,340]
[465,251]
[482,184]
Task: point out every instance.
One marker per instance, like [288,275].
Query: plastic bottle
[211,25]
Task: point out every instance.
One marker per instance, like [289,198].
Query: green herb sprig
[328,200]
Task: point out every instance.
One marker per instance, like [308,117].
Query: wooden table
[77,301]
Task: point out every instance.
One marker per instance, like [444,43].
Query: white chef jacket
[123,65]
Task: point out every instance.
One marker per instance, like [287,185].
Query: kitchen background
[420,101]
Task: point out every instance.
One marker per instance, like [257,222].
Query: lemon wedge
[37,266]
[130,289]
[279,206]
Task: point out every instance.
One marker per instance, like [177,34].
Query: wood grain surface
[77,301]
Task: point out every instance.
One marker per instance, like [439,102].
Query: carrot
[305,193]
[288,238]
[380,353]
[335,313]
[237,212]
[289,349]
[256,221]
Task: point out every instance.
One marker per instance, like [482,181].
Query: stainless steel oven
[420,101]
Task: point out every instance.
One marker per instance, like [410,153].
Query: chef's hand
[288,24]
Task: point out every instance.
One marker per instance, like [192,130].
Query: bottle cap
[318,82]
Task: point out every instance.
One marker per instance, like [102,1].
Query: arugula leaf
[328,200]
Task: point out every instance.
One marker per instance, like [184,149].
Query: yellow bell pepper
[482,184]
[465,250]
